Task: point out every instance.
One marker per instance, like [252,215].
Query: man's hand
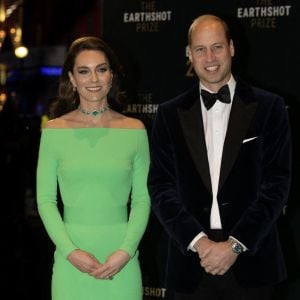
[215,257]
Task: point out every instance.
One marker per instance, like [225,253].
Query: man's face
[211,54]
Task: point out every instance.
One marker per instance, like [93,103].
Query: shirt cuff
[244,247]
[195,239]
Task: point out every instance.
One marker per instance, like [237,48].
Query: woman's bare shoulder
[123,121]
[63,121]
[134,123]
[56,123]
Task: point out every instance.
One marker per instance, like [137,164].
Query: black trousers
[222,287]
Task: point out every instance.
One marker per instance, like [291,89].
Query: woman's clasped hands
[88,263]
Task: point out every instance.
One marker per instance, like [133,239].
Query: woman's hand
[83,261]
[113,264]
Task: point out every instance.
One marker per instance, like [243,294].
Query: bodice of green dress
[102,177]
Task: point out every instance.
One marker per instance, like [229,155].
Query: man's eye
[218,47]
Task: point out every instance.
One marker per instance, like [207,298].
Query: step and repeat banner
[150,38]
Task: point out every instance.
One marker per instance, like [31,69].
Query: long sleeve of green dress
[97,170]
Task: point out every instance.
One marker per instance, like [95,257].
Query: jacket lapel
[191,122]
[239,121]
[190,117]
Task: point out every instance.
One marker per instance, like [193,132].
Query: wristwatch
[236,247]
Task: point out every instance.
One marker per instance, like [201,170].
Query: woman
[100,159]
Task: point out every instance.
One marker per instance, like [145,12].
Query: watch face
[237,248]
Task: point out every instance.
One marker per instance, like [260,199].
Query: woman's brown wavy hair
[67,99]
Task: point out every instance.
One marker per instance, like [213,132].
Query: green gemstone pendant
[94,113]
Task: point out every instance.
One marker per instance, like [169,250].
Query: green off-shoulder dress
[102,177]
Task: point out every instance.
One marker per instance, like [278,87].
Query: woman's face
[91,76]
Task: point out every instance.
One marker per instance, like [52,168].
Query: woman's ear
[72,79]
[111,78]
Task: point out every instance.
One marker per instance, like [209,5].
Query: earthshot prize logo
[148,19]
[265,14]
[146,108]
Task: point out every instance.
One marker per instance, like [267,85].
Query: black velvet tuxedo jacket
[253,187]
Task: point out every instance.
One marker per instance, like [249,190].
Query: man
[220,176]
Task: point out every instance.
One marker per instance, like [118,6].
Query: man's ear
[189,54]
[231,47]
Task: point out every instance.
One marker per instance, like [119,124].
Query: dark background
[267,55]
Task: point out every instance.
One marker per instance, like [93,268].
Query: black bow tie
[222,95]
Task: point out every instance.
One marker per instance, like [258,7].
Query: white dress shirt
[215,122]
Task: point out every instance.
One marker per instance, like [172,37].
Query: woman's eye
[102,69]
[83,72]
